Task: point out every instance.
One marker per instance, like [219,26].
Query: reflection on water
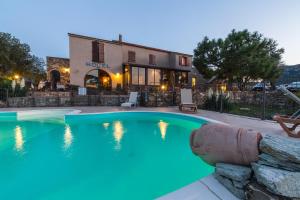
[118,134]
[106,125]
[19,139]
[163,128]
[68,137]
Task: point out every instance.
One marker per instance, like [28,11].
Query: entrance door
[54,78]
[98,80]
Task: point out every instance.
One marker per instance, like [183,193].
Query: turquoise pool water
[128,155]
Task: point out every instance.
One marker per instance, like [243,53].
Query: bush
[18,91]
[5,83]
[213,102]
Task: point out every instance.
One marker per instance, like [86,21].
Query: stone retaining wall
[51,94]
[55,101]
[148,99]
[160,99]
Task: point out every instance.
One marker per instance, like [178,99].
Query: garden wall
[55,101]
[61,99]
[148,99]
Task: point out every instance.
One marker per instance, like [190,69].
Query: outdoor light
[105,80]
[117,75]
[16,76]
[66,70]
[163,87]
[223,88]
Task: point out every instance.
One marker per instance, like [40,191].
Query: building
[58,71]
[100,64]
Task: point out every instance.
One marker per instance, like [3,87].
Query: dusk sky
[168,24]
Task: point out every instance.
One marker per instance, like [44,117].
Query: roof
[60,58]
[125,43]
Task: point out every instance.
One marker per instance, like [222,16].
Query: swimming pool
[122,155]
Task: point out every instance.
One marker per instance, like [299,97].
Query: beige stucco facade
[116,57]
[80,54]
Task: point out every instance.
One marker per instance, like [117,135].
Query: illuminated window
[138,76]
[193,82]
[154,76]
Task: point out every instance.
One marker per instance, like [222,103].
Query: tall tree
[16,58]
[240,57]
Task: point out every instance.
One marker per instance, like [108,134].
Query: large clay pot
[216,143]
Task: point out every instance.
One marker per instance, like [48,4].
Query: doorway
[98,79]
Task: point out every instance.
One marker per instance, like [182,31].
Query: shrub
[213,102]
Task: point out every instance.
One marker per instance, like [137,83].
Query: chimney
[120,38]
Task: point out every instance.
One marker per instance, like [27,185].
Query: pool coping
[139,111]
[206,188]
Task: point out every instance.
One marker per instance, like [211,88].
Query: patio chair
[187,101]
[132,100]
[289,123]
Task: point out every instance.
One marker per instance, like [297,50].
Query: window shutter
[187,61]
[131,56]
[101,52]
[95,51]
[180,60]
[152,59]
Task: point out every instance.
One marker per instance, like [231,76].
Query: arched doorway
[97,79]
[54,78]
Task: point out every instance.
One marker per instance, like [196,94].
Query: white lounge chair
[187,100]
[132,100]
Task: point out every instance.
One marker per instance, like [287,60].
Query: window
[101,52]
[131,56]
[181,78]
[97,52]
[168,78]
[126,75]
[138,76]
[193,82]
[183,61]
[154,76]
[152,60]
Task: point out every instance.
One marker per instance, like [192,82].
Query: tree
[240,57]
[16,58]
